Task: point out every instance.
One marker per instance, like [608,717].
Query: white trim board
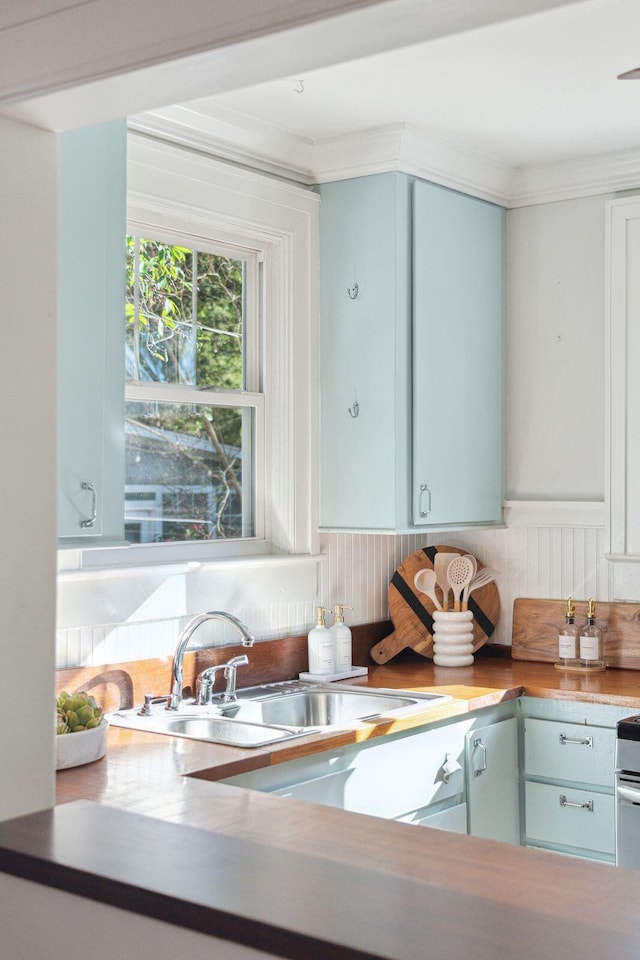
[553,513]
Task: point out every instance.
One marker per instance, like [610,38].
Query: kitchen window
[194,410]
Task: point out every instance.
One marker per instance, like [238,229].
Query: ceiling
[531,91]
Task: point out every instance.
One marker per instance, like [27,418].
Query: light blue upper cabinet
[411,306]
[457,357]
[91,289]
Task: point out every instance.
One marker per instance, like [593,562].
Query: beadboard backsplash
[545,550]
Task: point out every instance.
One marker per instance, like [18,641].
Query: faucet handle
[149,700]
[205,682]
[229,695]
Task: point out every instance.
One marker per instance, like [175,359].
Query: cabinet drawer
[569,751]
[589,826]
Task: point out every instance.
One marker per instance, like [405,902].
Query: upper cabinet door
[91,291]
[458,266]
[363,339]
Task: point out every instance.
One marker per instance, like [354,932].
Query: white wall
[555,345]
[27,478]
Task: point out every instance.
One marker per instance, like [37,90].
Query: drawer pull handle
[587,805]
[587,742]
[479,745]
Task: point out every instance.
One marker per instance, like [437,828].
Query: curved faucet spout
[183,642]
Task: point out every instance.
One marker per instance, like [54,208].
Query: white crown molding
[236,138]
[413,151]
[581,177]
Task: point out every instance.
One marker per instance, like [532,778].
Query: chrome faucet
[183,642]
[204,694]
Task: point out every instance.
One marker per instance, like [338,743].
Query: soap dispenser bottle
[321,646]
[341,636]
[591,642]
[568,642]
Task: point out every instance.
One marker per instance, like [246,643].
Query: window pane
[220,322]
[175,334]
[184,472]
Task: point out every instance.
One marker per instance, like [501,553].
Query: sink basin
[204,726]
[321,706]
[277,712]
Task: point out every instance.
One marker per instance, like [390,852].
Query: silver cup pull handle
[424,495]
[479,745]
[89,522]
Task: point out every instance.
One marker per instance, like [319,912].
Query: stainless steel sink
[204,726]
[323,705]
[279,711]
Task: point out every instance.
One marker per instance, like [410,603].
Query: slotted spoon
[459,574]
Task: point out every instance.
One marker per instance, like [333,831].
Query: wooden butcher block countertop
[351,886]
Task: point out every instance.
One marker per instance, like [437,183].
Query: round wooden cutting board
[412,611]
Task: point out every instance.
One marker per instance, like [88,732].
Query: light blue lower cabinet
[568,759]
[493,785]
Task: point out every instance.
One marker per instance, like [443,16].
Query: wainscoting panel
[530,560]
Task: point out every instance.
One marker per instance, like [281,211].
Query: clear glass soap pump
[591,641]
[568,644]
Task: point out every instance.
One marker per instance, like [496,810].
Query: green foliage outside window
[184,325]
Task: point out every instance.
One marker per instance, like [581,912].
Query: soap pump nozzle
[320,612]
[338,612]
[571,610]
[591,610]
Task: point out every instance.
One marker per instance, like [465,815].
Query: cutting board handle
[388,647]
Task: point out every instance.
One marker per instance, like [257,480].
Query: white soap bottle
[341,636]
[321,647]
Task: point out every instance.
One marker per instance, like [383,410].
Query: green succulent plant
[76,713]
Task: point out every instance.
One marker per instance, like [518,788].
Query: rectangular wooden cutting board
[536,624]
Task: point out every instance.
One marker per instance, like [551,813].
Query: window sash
[252,283]
[257,479]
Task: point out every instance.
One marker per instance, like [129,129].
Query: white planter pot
[74,749]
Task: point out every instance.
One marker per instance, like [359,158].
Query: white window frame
[178,192]
[251,398]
